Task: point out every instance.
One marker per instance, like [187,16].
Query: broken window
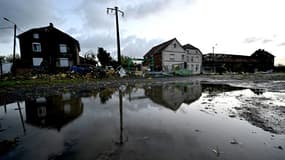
[36,47]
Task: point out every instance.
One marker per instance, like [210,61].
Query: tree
[105,59]
[9,58]
[90,58]
[127,61]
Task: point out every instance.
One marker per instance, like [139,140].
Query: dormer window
[36,36]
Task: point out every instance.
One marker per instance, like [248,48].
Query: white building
[194,58]
[171,55]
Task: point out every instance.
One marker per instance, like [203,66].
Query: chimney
[51,25]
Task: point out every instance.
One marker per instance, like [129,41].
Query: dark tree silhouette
[105,59]
[127,61]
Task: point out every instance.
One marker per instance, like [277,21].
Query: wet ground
[183,120]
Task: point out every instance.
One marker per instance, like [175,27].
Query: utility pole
[14,45]
[116,9]
[214,65]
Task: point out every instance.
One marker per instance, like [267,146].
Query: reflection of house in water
[172,96]
[54,111]
[219,88]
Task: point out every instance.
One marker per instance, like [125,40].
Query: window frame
[37,61]
[62,48]
[171,57]
[36,35]
[36,47]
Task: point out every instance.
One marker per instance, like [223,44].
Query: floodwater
[159,121]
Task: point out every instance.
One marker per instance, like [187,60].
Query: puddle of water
[165,121]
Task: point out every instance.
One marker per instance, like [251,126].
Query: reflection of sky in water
[150,129]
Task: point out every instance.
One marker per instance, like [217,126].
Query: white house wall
[173,55]
[194,60]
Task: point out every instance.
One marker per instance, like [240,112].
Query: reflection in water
[172,96]
[134,122]
[214,89]
[53,111]
[21,117]
[105,94]
[121,116]
[257,91]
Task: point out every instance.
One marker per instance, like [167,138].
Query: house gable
[174,46]
[190,49]
[50,47]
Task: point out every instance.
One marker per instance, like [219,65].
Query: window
[171,57]
[197,67]
[182,57]
[63,62]
[36,36]
[37,61]
[187,58]
[174,45]
[67,108]
[192,59]
[196,59]
[36,47]
[62,48]
[42,111]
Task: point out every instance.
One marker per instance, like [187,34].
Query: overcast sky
[232,26]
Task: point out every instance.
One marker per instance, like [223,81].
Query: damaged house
[260,60]
[48,48]
[171,55]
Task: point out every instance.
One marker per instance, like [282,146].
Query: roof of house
[228,57]
[48,29]
[159,48]
[262,52]
[189,46]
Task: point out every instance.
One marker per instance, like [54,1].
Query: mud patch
[266,111]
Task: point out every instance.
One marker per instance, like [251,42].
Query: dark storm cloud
[131,45]
[25,14]
[140,9]
[137,47]
[145,8]
[96,40]
[94,14]
[91,25]
[95,17]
